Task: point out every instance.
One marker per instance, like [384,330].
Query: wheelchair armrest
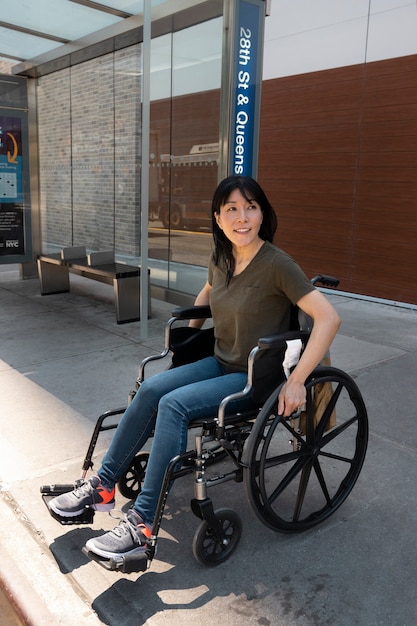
[192,313]
[276,341]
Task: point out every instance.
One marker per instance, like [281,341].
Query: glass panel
[127,138]
[160,133]
[185,128]
[136,6]
[59,18]
[16,44]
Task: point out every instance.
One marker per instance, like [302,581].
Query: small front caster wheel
[130,484]
[208,548]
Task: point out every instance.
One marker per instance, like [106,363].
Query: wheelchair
[297,471]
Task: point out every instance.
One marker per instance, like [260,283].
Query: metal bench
[54,270]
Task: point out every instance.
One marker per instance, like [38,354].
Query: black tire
[172,218]
[130,484]
[165,218]
[208,549]
[176,220]
[295,480]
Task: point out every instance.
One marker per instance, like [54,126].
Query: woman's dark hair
[251,190]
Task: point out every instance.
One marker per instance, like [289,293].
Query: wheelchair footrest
[50,491]
[126,564]
[57,489]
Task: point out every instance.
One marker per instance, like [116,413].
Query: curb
[39,593]
[22,597]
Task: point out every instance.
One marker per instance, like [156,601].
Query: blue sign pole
[246,83]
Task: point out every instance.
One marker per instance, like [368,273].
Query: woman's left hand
[326,323]
[291,398]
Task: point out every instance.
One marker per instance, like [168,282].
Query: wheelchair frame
[304,463]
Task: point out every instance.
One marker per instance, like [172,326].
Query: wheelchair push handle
[325,281]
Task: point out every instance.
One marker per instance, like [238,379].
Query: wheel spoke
[322,482]
[321,426]
[302,488]
[338,430]
[336,457]
[281,459]
[298,467]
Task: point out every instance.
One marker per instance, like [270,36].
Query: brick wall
[89,149]
[55,158]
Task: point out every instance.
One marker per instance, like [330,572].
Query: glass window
[90,133]
[185,113]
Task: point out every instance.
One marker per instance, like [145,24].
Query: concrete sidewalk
[64,361]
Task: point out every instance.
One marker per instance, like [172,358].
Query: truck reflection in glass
[181,188]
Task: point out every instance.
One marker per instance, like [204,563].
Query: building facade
[337,149]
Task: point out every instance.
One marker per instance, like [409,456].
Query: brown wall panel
[386,271]
[403,207]
[338,159]
[398,111]
[389,159]
[405,174]
[387,187]
[389,143]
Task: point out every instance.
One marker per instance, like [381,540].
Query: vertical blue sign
[246,87]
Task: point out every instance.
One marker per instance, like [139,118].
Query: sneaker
[129,537]
[90,494]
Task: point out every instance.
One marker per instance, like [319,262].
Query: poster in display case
[15,231]
[12,239]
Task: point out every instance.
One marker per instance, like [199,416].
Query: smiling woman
[240,219]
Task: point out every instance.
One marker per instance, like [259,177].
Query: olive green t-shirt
[256,303]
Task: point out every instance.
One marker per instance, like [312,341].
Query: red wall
[338,160]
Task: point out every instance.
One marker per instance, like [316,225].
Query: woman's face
[240,220]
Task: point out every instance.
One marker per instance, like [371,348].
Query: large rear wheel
[299,470]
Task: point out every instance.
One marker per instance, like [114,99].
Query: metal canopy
[35,31]
[31,28]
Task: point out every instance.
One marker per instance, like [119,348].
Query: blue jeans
[167,403]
